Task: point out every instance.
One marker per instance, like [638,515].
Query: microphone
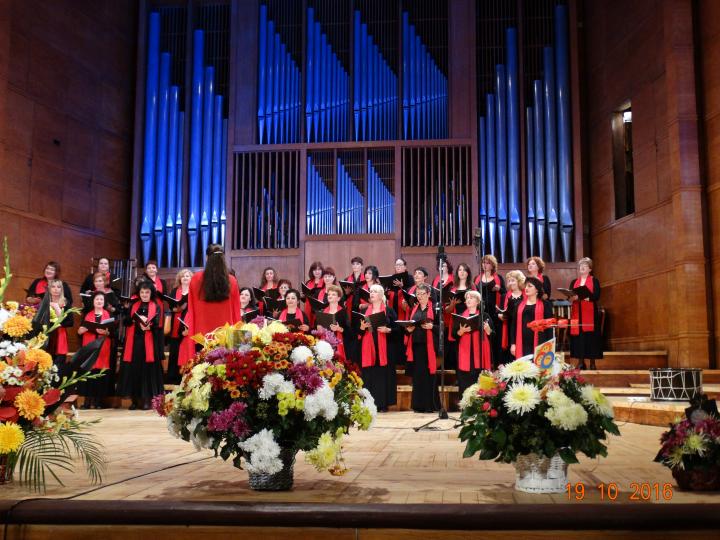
[477,236]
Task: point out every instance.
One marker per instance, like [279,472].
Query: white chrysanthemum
[596,400]
[469,395]
[519,370]
[521,398]
[197,375]
[264,453]
[275,383]
[301,354]
[569,417]
[324,351]
[368,401]
[558,398]
[276,327]
[199,435]
[200,397]
[321,403]
[4,316]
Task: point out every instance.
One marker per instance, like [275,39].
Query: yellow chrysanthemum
[29,404]
[11,305]
[11,438]
[41,358]
[3,365]
[17,326]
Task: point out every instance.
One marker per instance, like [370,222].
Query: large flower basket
[699,479]
[279,481]
[540,474]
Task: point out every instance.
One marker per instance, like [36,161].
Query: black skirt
[377,380]
[587,345]
[140,379]
[425,396]
[96,388]
[173,370]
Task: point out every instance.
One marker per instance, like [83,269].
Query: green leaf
[568,455]
[500,437]
[488,453]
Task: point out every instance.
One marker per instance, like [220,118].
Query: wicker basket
[699,479]
[280,481]
[7,467]
[535,473]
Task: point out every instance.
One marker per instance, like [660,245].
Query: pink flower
[493,413]
[486,406]
[494,392]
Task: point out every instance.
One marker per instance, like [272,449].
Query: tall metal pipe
[172,174]
[223,182]
[513,155]
[501,157]
[310,74]
[262,66]
[564,131]
[539,140]
[405,74]
[207,157]
[317,87]
[217,169]
[491,174]
[179,189]
[282,78]
[162,153]
[277,62]
[551,183]
[196,139]
[151,111]
[270,82]
[482,160]
[530,176]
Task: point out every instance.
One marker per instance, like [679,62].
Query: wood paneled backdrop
[67,83]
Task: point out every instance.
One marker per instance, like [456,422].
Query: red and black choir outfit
[527,339]
[159,284]
[260,304]
[94,390]
[352,303]
[39,286]
[315,289]
[378,367]
[420,349]
[450,341]
[203,317]
[493,299]
[395,301]
[547,286]
[88,284]
[585,335]
[509,305]
[58,341]
[473,353]
[141,376]
[299,315]
[176,338]
[342,321]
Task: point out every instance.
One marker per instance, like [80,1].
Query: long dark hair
[216,281]
[469,281]
[252,304]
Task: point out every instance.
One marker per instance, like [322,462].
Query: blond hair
[474,294]
[180,274]
[585,260]
[518,276]
[378,288]
[62,301]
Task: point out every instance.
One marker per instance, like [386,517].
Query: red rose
[493,413]
[486,406]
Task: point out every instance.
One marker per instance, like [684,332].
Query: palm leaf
[90,452]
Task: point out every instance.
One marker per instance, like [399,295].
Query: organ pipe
[196,140]
[501,156]
[513,143]
[162,152]
[550,150]
[563,130]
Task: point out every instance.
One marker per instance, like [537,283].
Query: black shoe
[132,407]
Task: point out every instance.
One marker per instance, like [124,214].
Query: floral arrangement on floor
[35,436]
[521,409]
[691,447]
[256,389]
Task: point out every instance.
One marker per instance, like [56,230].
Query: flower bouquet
[537,420]
[260,393]
[691,447]
[35,436]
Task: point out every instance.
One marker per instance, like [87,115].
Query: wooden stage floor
[389,464]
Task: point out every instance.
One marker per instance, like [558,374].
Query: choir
[379,322]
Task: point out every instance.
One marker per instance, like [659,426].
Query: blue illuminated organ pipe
[513,143]
[278,112]
[424,89]
[151,105]
[530,177]
[563,126]
[327,101]
[539,140]
[501,157]
[548,154]
[380,203]
[374,89]
[350,203]
[162,216]
[320,208]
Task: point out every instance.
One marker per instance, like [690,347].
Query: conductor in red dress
[214,297]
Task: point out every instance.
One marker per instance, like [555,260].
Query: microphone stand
[442,413]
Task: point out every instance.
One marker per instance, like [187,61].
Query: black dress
[528,336]
[425,397]
[451,344]
[490,300]
[509,322]
[465,379]
[97,389]
[174,340]
[381,380]
[352,334]
[588,344]
[139,379]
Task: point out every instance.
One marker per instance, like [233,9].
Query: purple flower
[217,354]
[158,403]
[327,335]
[229,419]
[306,378]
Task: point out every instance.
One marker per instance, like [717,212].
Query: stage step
[633,360]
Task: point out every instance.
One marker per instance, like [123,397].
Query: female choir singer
[445,277]
[422,342]
[100,283]
[515,294]
[95,390]
[333,294]
[151,273]
[463,282]
[58,339]
[376,362]
[492,288]
[141,373]
[585,335]
[536,267]
[293,312]
[178,331]
[247,301]
[473,345]
[532,308]
[315,284]
[269,279]
[103,266]
[40,285]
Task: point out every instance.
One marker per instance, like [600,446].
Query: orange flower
[39,357]
[30,404]
[17,326]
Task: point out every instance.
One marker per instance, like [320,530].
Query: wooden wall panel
[66,89]
[651,262]
[248,268]
[337,253]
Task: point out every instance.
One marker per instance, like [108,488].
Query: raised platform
[400,484]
